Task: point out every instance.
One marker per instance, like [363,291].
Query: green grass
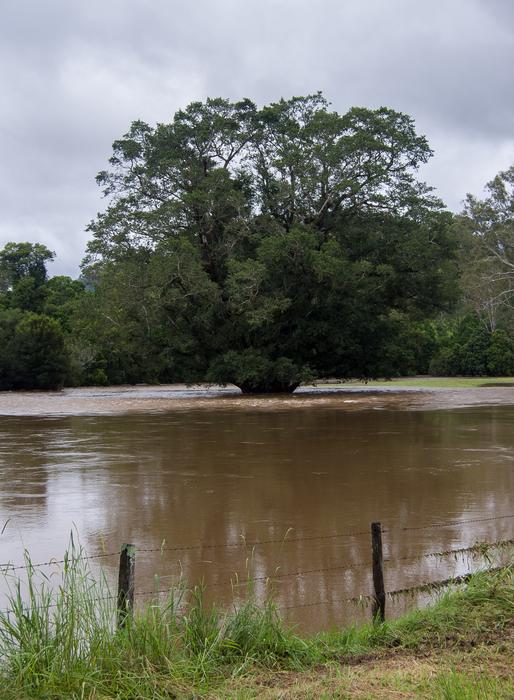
[454,685]
[426,382]
[60,641]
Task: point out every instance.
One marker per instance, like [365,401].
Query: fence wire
[250,543]
[478,549]
[425,586]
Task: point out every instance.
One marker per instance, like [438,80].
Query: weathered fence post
[378,609]
[125,604]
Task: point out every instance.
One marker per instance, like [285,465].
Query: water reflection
[232,474]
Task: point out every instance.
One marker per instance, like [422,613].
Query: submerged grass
[58,640]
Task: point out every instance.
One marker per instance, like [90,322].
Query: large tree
[266,247]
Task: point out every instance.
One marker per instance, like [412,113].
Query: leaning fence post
[125,603]
[378,609]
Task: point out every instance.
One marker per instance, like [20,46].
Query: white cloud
[74,75]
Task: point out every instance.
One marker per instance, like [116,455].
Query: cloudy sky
[75,73]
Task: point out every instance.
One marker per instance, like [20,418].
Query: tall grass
[59,639]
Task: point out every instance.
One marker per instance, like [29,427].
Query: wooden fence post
[125,604]
[378,610]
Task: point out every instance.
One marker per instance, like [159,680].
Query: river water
[201,475]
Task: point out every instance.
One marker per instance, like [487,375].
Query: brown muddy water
[203,474]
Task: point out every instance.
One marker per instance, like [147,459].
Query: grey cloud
[74,75]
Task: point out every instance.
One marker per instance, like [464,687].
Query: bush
[475,351]
[39,359]
[500,354]
[470,355]
[442,364]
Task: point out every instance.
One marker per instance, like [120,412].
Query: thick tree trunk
[267,387]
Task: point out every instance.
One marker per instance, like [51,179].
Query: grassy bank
[63,644]
[428,382]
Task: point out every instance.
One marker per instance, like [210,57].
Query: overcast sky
[75,73]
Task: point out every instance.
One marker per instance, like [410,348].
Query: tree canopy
[32,343]
[268,246]
[19,261]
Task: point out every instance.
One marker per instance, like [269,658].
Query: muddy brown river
[279,489]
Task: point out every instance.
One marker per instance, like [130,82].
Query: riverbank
[62,646]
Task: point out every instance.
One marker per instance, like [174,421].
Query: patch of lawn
[428,382]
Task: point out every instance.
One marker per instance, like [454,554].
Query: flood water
[226,486]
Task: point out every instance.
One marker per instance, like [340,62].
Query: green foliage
[265,247]
[59,640]
[39,357]
[470,348]
[473,350]
[37,316]
[27,294]
[270,246]
[33,353]
[255,373]
[23,275]
[9,319]
[61,299]
[21,260]
[442,364]
[500,354]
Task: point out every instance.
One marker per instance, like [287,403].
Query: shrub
[39,356]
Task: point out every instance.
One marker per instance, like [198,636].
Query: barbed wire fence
[126,592]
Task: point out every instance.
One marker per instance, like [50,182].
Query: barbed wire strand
[454,522]
[254,543]
[30,608]
[422,587]
[244,543]
[477,547]
[53,562]
[441,583]
[349,566]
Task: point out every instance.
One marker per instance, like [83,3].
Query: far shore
[423,382]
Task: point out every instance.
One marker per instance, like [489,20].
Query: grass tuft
[454,685]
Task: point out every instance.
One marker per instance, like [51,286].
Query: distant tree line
[267,247]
